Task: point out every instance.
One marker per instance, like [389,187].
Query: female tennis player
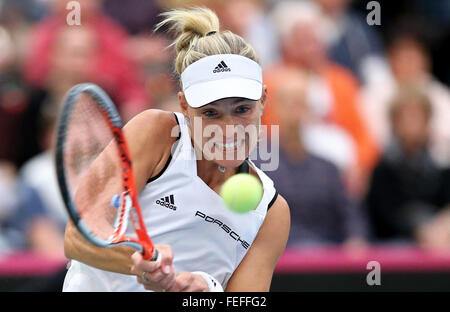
[204,245]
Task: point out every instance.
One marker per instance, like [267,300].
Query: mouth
[229,147]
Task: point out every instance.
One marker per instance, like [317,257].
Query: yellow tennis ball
[242,192]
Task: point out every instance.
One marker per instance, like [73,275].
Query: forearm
[258,284]
[115,259]
[254,273]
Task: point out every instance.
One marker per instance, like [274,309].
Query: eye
[242,109]
[209,113]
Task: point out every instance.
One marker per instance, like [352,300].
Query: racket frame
[130,204]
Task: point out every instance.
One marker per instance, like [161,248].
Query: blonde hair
[198,35]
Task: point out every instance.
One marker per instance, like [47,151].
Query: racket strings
[88,135]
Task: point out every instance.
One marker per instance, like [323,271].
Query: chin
[231,157]
[229,163]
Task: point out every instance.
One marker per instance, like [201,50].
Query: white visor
[221,76]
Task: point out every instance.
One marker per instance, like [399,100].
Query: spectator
[410,64]
[408,192]
[111,68]
[137,16]
[42,215]
[17,109]
[351,42]
[8,206]
[70,61]
[332,92]
[255,27]
[145,48]
[321,209]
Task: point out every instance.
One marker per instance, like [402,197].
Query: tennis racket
[95,173]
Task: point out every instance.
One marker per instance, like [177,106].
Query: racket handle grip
[157,256]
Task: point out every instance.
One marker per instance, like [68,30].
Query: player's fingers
[167,257]
[149,285]
[157,276]
[176,286]
[156,280]
[193,288]
[143,265]
[182,281]
[146,283]
[152,287]
[167,281]
[164,280]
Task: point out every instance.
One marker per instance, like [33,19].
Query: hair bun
[189,25]
[194,29]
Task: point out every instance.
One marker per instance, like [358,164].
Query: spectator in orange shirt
[332,92]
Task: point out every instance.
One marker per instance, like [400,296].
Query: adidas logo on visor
[221,67]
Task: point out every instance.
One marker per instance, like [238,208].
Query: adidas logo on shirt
[167,202]
[221,67]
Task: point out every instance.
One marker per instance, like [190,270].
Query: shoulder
[280,210]
[267,182]
[153,124]
[275,229]
[152,128]
[151,117]
[150,135]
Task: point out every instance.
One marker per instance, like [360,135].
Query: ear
[183,103]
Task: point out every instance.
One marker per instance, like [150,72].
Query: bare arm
[255,271]
[116,259]
[149,141]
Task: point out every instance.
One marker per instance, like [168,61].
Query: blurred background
[363,107]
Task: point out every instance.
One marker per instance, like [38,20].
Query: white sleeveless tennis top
[182,211]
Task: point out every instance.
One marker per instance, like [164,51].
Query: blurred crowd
[363,110]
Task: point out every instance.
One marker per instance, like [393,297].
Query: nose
[230,129]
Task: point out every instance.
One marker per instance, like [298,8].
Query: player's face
[226,131]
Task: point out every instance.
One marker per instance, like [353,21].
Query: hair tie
[211,33]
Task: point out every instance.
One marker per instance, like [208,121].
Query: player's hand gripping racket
[95,174]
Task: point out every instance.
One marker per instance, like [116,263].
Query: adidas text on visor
[221,76]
